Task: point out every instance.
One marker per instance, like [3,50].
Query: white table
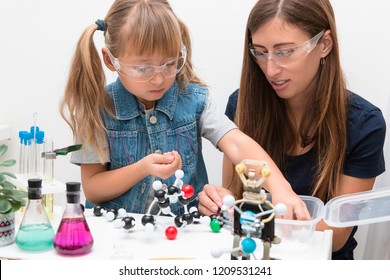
[195,241]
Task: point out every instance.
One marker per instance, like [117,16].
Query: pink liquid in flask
[73,237]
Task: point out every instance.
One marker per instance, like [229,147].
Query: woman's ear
[327,43]
[107,60]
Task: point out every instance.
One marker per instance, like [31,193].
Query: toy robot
[253,215]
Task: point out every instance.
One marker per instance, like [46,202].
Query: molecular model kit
[250,217]
[164,197]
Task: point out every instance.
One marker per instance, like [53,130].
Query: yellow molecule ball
[240,168]
[265,172]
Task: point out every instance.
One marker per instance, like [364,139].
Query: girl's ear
[327,43]
[107,60]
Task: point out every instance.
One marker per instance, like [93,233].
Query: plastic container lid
[358,209]
[342,211]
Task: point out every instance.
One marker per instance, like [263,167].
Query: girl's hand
[210,199]
[163,165]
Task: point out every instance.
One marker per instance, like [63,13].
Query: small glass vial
[22,152]
[73,236]
[39,149]
[48,161]
[48,174]
[29,155]
[25,154]
[35,232]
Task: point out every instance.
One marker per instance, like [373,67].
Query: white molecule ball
[110,216]
[166,210]
[179,174]
[149,227]
[280,209]
[216,252]
[205,220]
[157,185]
[122,212]
[229,201]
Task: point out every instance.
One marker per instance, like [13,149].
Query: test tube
[48,162]
[48,176]
[28,168]
[39,149]
[22,153]
[34,153]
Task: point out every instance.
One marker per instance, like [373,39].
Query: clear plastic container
[342,211]
[299,230]
[358,209]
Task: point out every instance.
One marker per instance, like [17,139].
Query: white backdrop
[38,38]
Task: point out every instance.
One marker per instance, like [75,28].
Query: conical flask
[73,236]
[35,232]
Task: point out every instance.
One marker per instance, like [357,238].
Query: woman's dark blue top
[366,130]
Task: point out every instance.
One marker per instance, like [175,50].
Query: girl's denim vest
[172,125]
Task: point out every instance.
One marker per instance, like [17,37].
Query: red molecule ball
[188,191]
[171,232]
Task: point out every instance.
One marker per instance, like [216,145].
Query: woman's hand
[211,199]
[296,208]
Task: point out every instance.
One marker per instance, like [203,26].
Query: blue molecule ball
[248,245]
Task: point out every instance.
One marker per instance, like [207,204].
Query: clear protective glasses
[144,73]
[286,56]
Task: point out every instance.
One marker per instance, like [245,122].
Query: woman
[293,101]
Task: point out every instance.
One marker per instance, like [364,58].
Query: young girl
[149,122]
[293,101]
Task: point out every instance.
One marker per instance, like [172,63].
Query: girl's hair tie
[102,25]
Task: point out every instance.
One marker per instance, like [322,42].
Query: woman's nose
[272,68]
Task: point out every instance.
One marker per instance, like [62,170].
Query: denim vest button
[153,119]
